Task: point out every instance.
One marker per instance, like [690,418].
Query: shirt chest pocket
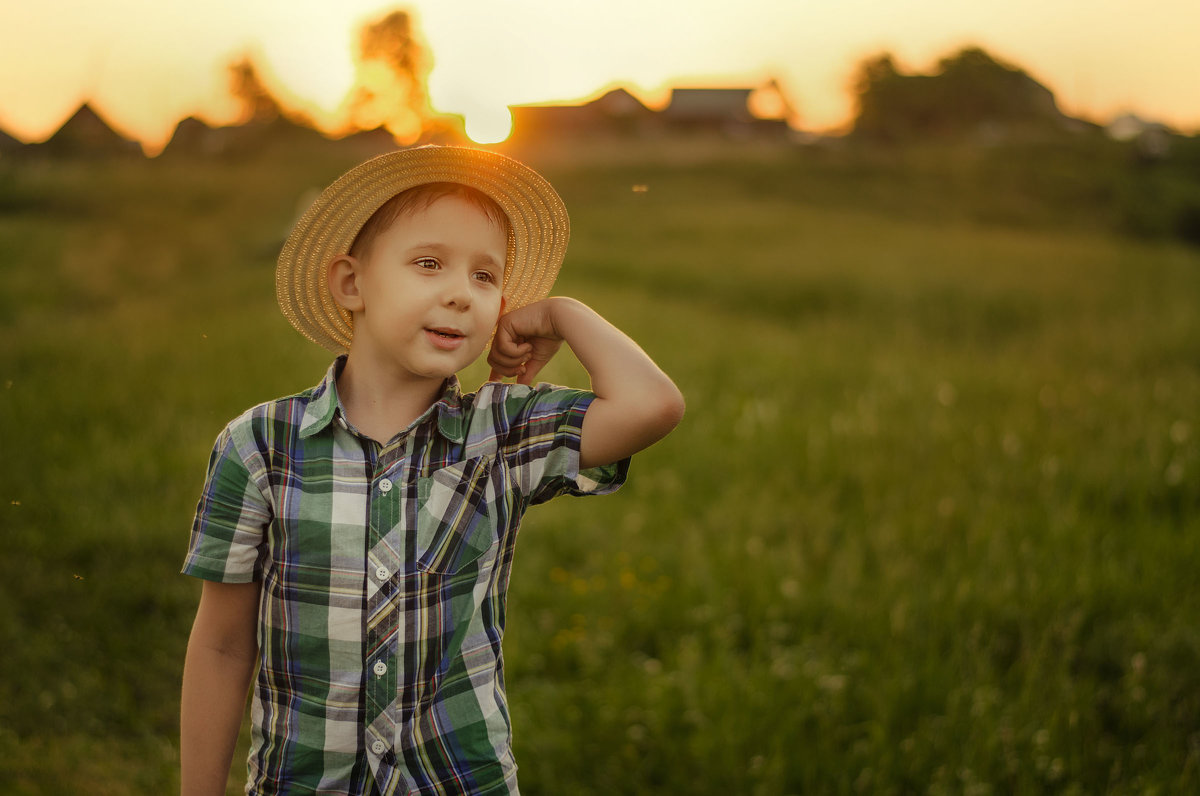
[455,522]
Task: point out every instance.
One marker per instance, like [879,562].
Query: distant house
[1152,139]
[617,113]
[621,107]
[708,107]
[369,143]
[86,134]
[195,138]
[727,112]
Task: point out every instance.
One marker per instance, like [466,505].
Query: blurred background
[928,275]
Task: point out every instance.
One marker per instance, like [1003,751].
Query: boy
[356,539]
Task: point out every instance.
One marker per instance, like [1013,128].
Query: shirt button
[385,485]
[379,747]
[382,573]
[380,668]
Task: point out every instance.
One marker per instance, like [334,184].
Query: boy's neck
[381,405]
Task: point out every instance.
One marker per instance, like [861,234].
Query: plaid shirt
[384,573]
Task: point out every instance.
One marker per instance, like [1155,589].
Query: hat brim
[537,242]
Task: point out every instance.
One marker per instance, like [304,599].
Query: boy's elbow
[674,406]
[667,408]
[615,430]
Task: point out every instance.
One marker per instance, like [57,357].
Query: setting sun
[489,126]
[145,67]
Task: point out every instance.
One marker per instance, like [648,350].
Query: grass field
[930,524]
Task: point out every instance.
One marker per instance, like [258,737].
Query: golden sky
[145,65]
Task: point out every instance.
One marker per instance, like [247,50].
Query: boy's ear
[343,282]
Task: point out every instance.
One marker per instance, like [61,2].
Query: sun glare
[489,126]
[144,67]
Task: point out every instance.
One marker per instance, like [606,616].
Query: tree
[970,91]
[392,69]
[258,105]
[880,89]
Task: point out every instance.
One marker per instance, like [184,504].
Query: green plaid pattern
[384,573]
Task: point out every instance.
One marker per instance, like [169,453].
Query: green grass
[930,524]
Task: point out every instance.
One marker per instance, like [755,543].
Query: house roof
[618,102]
[87,133]
[709,103]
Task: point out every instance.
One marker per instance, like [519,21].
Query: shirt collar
[449,408]
[324,405]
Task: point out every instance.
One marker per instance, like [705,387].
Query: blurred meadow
[930,524]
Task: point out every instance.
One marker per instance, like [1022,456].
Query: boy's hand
[526,339]
[636,404]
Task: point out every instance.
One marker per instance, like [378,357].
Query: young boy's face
[431,286]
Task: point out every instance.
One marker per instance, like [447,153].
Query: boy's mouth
[445,338]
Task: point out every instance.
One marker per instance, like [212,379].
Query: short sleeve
[232,515]
[542,447]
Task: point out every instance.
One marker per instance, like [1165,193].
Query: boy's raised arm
[221,655]
[636,403]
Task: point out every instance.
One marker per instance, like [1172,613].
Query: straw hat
[537,239]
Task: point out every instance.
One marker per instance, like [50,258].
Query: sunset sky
[144,65]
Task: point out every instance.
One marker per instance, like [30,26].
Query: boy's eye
[485,276]
[428,263]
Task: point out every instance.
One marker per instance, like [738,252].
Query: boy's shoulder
[516,420]
[495,393]
[282,419]
[503,405]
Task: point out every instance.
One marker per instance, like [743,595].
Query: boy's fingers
[509,354]
[530,370]
[501,373]
[499,360]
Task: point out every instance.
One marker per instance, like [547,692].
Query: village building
[730,112]
[1152,140]
[615,114]
[725,112]
[87,134]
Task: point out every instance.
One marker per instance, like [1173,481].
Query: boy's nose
[458,292]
